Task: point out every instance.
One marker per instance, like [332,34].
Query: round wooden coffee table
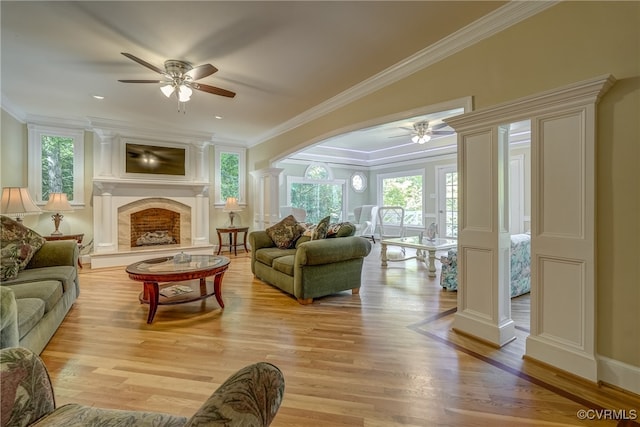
[179,280]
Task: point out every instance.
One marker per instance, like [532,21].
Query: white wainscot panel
[478,169]
[477,277]
[562,166]
[562,299]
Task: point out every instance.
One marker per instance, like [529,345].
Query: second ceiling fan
[423,132]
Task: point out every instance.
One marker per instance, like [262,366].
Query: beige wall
[570,42]
[13,152]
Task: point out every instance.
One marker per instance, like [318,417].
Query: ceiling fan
[180,77]
[422,132]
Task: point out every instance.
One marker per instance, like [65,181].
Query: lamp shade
[17,202]
[231,205]
[58,202]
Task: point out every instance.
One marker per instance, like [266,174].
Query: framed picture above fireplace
[153,159]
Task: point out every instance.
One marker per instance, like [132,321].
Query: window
[318,171]
[317,193]
[56,163]
[403,189]
[358,182]
[451,204]
[229,175]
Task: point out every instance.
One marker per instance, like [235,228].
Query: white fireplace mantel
[113,185]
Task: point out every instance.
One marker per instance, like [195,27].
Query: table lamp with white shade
[57,203]
[231,206]
[17,202]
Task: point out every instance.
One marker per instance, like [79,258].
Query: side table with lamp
[58,202]
[231,206]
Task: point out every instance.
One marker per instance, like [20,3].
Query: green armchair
[250,397]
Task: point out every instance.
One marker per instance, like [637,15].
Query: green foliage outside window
[319,200]
[229,175]
[405,191]
[57,166]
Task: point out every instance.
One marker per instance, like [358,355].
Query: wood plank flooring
[385,357]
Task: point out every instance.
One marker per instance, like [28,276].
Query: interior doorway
[447,190]
[519,201]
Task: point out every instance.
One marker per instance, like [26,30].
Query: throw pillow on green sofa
[320,232]
[285,233]
[18,245]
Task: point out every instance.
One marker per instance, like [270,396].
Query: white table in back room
[422,247]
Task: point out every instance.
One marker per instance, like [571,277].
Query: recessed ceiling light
[218,117]
[98,96]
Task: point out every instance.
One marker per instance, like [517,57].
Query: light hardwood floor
[385,357]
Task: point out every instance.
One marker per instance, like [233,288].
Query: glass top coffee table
[169,280]
[422,248]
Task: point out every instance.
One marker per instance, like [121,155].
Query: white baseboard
[619,374]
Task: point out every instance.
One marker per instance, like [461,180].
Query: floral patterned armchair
[250,397]
[520,266]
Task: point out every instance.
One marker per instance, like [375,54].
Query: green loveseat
[313,268]
[34,304]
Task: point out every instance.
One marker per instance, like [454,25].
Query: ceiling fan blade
[143,63]
[139,81]
[201,71]
[212,89]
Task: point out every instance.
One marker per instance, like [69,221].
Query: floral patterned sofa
[250,397]
[520,266]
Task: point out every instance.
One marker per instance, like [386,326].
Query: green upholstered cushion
[18,245]
[268,255]
[284,264]
[285,233]
[30,311]
[49,291]
[321,229]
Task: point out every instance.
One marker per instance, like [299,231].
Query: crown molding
[487,26]
[12,110]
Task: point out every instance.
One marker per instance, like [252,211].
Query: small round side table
[233,238]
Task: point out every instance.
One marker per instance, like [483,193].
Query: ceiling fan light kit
[421,139]
[180,79]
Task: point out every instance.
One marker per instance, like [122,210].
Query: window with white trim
[317,193]
[230,175]
[404,189]
[56,163]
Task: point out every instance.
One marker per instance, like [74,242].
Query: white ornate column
[484,308]
[200,158]
[105,238]
[103,162]
[200,219]
[266,190]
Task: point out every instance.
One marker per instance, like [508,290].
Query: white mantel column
[103,162]
[105,239]
[200,220]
